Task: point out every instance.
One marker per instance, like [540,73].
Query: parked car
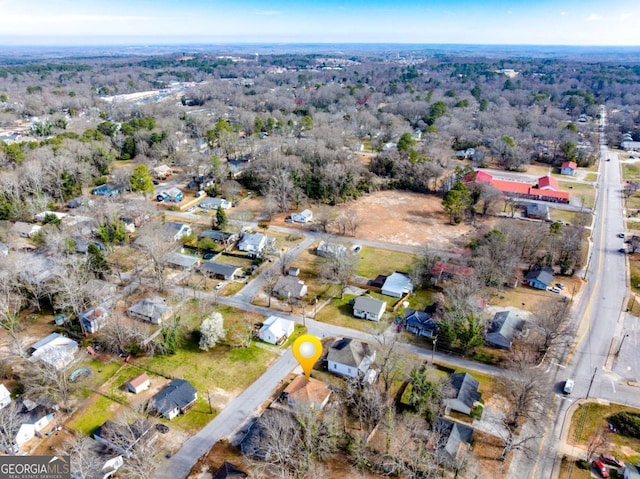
[208,256]
[555,289]
[219,285]
[568,386]
[622,250]
[611,460]
[560,285]
[598,466]
[620,235]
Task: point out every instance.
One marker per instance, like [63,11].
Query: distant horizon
[466,22]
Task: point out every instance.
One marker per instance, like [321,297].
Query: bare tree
[121,334]
[339,267]
[85,460]
[552,322]
[325,215]
[285,258]
[42,379]
[270,279]
[10,422]
[241,333]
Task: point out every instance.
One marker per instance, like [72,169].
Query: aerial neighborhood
[458,232]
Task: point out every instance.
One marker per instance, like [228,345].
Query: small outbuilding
[138,384]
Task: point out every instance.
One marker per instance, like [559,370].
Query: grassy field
[197,417]
[580,190]
[591,418]
[340,312]
[591,177]
[375,261]
[634,274]
[570,217]
[88,419]
[631,171]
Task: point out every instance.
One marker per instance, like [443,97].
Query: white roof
[55,349]
[4,392]
[277,325]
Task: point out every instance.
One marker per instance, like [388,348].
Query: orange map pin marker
[307,349]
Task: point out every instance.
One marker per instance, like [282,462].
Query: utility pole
[591,383]
[621,343]
[433,350]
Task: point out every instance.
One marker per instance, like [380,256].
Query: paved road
[598,322]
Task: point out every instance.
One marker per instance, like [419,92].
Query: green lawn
[634,274]
[570,217]
[197,417]
[100,373]
[340,313]
[231,369]
[580,190]
[591,177]
[592,417]
[631,171]
[87,420]
[375,261]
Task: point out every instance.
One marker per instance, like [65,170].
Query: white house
[276,330]
[252,243]
[94,319]
[397,285]
[366,307]
[153,310]
[175,231]
[32,421]
[352,358]
[215,203]
[5,396]
[56,350]
[305,216]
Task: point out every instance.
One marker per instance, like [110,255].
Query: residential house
[33,418]
[454,439]
[420,323]
[276,330]
[503,329]
[215,203]
[293,271]
[5,396]
[631,472]
[568,168]
[328,249]
[539,278]
[42,215]
[397,285]
[180,261]
[122,437]
[106,190]
[304,216]
[56,350]
[221,237]
[444,271]
[161,172]
[229,471]
[630,145]
[537,211]
[252,443]
[352,358]
[25,230]
[153,310]
[252,243]
[307,392]
[465,393]
[172,195]
[218,270]
[176,398]
[138,384]
[94,319]
[80,201]
[366,307]
[175,231]
[289,287]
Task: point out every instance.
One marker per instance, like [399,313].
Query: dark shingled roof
[178,393]
[465,387]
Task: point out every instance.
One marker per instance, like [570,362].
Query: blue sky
[532,22]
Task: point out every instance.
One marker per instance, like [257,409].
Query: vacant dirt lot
[397,217]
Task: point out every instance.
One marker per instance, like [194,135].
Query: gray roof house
[177,397]
[454,438]
[56,350]
[94,319]
[503,329]
[229,471]
[539,278]
[397,285]
[252,243]
[352,358]
[366,307]
[420,323]
[220,270]
[122,437]
[330,250]
[153,310]
[537,211]
[465,393]
[303,216]
[252,442]
[219,236]
[289,287]
[215,203]
[181,261]
[175,231]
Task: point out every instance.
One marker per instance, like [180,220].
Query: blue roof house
[539,278]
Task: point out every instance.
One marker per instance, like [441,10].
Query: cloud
[267,13]
[564,13]
[626,16]
[594,17]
